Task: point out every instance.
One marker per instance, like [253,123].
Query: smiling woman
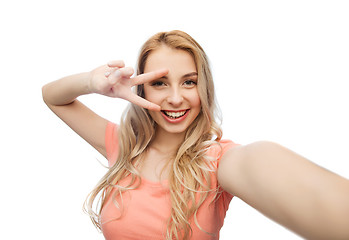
[176,93]
[171,176]
[174,150]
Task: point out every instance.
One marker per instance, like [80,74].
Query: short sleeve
[111,143]
[217,151]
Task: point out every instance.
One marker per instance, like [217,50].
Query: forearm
[66,90]
[295,192]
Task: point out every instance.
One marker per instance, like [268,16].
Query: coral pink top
[148,208]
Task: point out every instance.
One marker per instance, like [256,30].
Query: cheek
[148,94]
[152,115]
[195,100]
[154,98]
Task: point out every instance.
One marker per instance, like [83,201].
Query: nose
[175,97]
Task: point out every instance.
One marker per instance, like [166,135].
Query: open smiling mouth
[175,115]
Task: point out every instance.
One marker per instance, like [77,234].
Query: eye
[190,82]
[157,83]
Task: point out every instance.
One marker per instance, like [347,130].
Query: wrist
[88,88]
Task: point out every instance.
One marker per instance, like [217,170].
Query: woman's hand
[115,80]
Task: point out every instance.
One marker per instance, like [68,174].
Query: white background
[281,70]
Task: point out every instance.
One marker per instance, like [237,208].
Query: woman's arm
[60,96]
[288,188]
[113,80]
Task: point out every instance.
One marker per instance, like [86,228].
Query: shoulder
[218,149]
[238,165]
[228,172]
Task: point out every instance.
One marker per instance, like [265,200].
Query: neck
[167,142]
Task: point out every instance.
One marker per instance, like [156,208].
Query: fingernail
[107,74]
[156,108]
[117,73]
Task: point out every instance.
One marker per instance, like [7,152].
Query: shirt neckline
[163,183]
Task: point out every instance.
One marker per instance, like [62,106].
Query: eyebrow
[185,75]
[190,74]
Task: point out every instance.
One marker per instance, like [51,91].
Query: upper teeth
[175,114]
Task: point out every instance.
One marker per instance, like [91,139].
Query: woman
[171,175]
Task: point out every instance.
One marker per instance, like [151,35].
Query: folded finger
[116,63]
[126,72]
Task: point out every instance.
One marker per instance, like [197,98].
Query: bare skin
[174,92]
[113,80]
[284,186]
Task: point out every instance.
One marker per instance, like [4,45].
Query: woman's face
[176,93]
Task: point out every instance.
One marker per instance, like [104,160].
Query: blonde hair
[190,172]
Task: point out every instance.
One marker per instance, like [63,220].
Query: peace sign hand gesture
[115,80]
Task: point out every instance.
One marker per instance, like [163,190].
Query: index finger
[150,76]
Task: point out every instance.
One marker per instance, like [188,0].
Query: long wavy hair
[189,179]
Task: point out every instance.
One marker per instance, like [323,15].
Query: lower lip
[175,120]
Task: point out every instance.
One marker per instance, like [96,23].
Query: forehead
[177,61]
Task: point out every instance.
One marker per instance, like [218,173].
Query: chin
[176,130]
